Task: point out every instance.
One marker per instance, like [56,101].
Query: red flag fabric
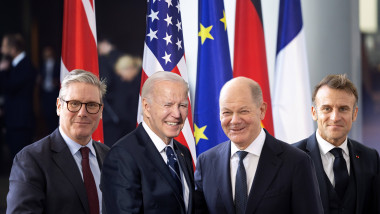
[249,54]
[164,51]
[79,49]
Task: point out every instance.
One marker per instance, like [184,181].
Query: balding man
[253,172]
[147,171]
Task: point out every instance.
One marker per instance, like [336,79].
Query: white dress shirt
[161,147]
[250,161]
[18,58]
[328,158]
[74,149]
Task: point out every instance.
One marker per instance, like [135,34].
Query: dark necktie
[174,167]
[340,172]
[241,192]
[89,182]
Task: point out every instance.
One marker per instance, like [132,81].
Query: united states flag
[164,51]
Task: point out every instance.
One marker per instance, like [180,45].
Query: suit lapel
[186,167]
[100,154]
[223,176]
[312,149]
[65,161]
[156,159]
[357,165]
[268,166]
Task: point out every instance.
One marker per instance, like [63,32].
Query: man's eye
[92,105]
[74,103]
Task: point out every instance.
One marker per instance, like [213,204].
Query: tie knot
[84,152]
[241,154]
[169,151]
[337,152]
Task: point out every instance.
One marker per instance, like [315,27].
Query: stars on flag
[169,3]
[168,20]
[199,133]
[204,33]
[166,58]
[153,15]
[224,20]
[179,25]
[164,32]
[179,44]
[152,34]
[167,38]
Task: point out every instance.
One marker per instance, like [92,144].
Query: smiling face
[80,125]
[334,111]
[166,109]
[240,114]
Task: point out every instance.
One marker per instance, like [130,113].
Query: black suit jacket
[285,181]
[135,178]
[365,162]
[46,179]
[18,86]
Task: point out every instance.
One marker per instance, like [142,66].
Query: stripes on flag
[250,55]
[79,44]
[164,51]
[292,96]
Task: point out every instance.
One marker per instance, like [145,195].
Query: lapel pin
[357,156]
[182,154]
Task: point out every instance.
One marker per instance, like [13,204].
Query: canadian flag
[79,42]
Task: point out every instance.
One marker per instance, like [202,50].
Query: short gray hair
[160,76]
[82,76]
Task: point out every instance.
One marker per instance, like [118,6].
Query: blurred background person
[17,82]
[120,115]
[49,88]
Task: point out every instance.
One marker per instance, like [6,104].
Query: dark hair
[15,40]
[337,81]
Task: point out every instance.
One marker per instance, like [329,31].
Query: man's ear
[314,113]
[58,104]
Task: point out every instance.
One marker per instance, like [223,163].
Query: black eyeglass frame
[81,104]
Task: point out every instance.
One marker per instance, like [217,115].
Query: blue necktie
[340,172]
[174,167]
[241,192]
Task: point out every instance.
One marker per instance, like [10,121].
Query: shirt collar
[18,58]
[74,146]
[254,148]
[325,147]
[157,141]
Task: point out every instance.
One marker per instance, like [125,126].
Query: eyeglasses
[75,105]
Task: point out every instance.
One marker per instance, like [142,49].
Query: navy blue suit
[45,178]
[135,178]
[285,181]
[366,165]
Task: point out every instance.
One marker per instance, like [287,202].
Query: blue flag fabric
[214,69]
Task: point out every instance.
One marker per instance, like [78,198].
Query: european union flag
[214,69]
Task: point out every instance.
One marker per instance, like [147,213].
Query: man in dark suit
[346,170]
[17,82]
[147,171]
[253,172]
[61,172]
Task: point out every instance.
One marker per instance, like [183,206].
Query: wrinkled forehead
[334,97]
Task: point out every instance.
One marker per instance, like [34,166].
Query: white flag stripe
[90,13]
[188,134]
[150,63]
[292,99]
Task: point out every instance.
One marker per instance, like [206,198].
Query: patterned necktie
[89,182]
[241,192]
[340,172]
[174,167]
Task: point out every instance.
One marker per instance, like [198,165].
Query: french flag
[292,97]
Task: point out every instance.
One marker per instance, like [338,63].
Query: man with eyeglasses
[61,172]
